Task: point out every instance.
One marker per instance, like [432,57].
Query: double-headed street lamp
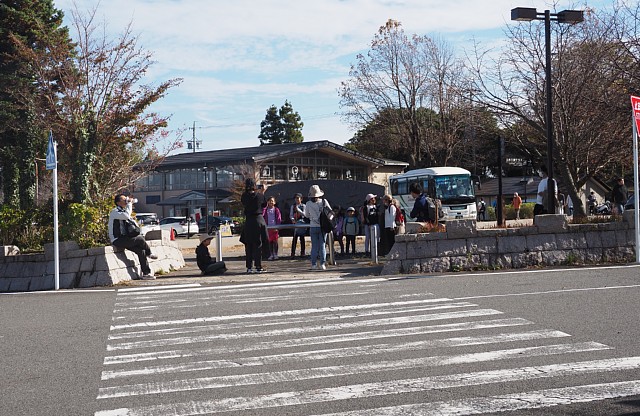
[565,16]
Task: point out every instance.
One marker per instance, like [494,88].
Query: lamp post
[205,169]
[566,16]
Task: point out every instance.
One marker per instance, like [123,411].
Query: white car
[179,225]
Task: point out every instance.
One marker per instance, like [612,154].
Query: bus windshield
[454,188]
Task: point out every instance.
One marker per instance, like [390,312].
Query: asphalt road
[543,342]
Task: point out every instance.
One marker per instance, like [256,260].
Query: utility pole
[194,144]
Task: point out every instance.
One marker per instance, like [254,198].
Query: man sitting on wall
[123,234]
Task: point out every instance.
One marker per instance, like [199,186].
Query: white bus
[453,186]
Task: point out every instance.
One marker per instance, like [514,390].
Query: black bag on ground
[327,219]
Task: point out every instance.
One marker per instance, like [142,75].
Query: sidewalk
[285,268]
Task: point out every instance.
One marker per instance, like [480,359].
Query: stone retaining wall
[551,241]
[100,266]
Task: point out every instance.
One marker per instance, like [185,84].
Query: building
[202,181]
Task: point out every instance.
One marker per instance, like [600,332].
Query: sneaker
[250,271]
[261,270]
[270,258]
[153,256]
[148,277]
[323,266]
[275,257]
[314,267]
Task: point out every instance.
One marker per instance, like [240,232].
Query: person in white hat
[206,264]
[312,210]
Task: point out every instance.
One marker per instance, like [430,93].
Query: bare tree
[590,95]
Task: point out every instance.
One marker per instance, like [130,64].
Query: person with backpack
[420,209]
[388,237]
[312,210]
[400,218]
[350,228]
[338,229]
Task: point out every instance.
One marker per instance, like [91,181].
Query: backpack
[434,205]
[399,217]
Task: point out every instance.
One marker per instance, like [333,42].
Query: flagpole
[636,206]
[52,164]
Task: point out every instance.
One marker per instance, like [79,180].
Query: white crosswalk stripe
[343,354]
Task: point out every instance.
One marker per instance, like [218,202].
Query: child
[208,265]
[272,216]
[350,228]
[337,230]
[388,237]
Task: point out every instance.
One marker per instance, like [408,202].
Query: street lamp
[205,169]
[566,16]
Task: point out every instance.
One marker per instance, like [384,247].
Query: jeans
[139,246]
[318,247]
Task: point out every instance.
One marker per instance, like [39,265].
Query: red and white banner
[635,105]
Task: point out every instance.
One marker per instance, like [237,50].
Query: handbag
[327,219]
[131,228]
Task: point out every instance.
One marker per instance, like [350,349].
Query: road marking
[509,402]
[356,391]
[586,289]
[157,343]
[262,315]
[204,383]
[335,353]
[152,288]
[368,335]
[286,321]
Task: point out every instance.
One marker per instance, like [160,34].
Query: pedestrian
[620,195]
[254,234]
[296,215]
[592,202]
[312,210]
[400,217]
[124,233]
[420,209]
[543,194]
[388,237]
[371,221]
[337,230]
[206,264]
[517,202]
[350,229]
[482,210]
[272,216]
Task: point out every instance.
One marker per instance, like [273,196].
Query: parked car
[180,226]
[215,222]
[148,221]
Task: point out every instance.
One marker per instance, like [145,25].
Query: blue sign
[52,160]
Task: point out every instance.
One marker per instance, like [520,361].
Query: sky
[237,58]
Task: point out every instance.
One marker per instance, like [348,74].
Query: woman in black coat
[254,234]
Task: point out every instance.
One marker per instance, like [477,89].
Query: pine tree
[281,126]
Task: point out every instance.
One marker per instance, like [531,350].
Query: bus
[453,186]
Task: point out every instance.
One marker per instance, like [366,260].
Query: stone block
[413,227]
[398,251]
[550,223]
[63,248]
[460,263]
[482,245]
[104,278]
[4,284]
[77,253]
[608,239]
[123,275]
[629,217]
[461,229]
[593,239]
[67,280]
[88,279]
[14,269]
[571,240]
[522,260]
[512,244]
[410,266]
[422,249]
[622,239]
[554,257]
[101,251]
[19,285]
[71,265]
[541,242]
[593,256]
[500,261]
[451,247]
[42,283]
[436,265]
[88,264]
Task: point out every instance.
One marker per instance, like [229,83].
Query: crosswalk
[360,347]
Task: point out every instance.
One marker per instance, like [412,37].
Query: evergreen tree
[29,25]
[281,126]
